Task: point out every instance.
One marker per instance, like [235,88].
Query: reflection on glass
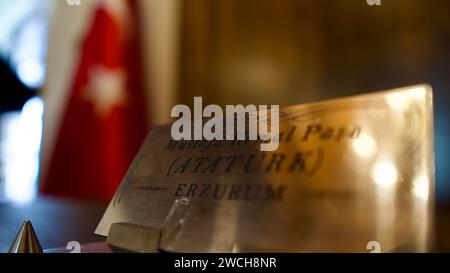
[400,101]
[384,173]
[364,146]
[421,187]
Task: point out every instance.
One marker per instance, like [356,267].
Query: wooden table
[55,221]
[58,222]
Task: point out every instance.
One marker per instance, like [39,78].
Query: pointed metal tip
[26,240]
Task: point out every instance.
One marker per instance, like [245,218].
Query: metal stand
[126,237]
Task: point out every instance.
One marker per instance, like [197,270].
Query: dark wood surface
[442,229]
[55,221]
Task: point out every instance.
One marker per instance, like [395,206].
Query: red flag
[105,118]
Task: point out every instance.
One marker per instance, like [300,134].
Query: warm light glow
[365,145]
[400,101]
[384,173]
[417,93]
[421,187]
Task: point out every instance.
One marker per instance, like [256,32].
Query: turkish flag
[105,119]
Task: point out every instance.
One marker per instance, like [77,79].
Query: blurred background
[55,55]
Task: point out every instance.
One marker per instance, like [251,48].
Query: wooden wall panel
[294,51]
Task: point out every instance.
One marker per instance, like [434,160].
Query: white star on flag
[106,89]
